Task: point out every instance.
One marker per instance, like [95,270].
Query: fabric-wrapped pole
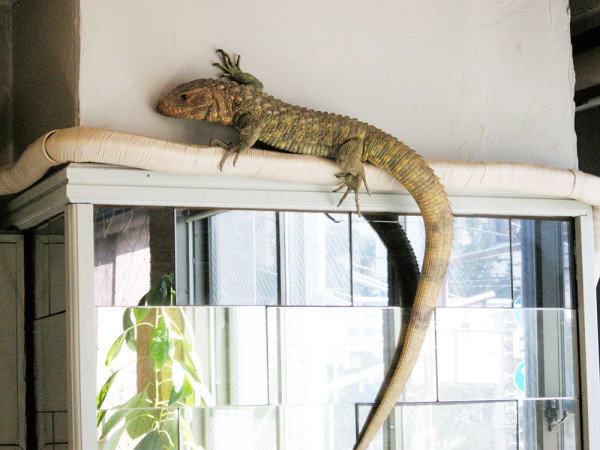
[112,147]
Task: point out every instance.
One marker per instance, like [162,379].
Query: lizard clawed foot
[229,68]
[231,148]
[235,150]
[232,71]
[352,182]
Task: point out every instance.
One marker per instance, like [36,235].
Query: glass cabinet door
[280,325]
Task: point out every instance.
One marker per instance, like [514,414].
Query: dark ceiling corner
[585,40]
[585,17]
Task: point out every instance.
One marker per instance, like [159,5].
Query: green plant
[167,374]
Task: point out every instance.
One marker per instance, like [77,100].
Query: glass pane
[139,428]
[549,424]
[496,354]
[318,426]
[315,356]
[196,356]
[293,377]
[339,355]
[370,259]
[327,427]
[230,428]
[317,249]
[505,262]
[133,249]
[475,425]
[243,258]
[543,263]
[491,425]
[480,273]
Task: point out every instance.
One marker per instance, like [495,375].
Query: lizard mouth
[166,108]
[163,108]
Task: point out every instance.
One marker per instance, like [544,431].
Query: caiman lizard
[240,102]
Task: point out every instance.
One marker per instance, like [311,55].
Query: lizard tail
[420,181]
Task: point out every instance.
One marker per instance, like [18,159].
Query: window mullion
[282,251]
[351,259]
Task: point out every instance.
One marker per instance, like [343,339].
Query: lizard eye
[183,97]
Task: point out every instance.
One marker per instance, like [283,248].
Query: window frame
[76,188]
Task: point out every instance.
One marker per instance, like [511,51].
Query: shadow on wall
[5,127]
[587,127]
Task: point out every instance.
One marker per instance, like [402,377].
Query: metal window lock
[552,415]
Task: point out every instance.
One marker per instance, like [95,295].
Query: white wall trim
[589,362]
[81,320]
[109,185]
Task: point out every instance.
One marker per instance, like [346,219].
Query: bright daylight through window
[281,324]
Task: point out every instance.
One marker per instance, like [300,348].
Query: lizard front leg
[353,172]
[249,128]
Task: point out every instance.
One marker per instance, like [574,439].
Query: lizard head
[205,99]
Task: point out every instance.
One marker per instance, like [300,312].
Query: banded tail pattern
[406,166]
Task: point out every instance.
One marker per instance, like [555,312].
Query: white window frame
[76,188]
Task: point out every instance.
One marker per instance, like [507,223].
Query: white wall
[473,80]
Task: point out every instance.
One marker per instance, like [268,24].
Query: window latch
[552,415]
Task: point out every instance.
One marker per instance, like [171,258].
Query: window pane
[230,428]
[222,352]
[298,376]
[370,260]
[339,355]
[479,273]
[243,258]
[550,423]
[491,425]
[497,354]
[133,249]
[326,427]
[543,263]
[253,356]
[505,262]
[472,425]
[318,259]
[146,428]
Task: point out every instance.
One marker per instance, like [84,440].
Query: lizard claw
[364,180]
[227,59]
[223,159]
[236,154]
[214,142]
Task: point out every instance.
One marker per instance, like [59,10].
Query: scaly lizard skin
[261,117]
